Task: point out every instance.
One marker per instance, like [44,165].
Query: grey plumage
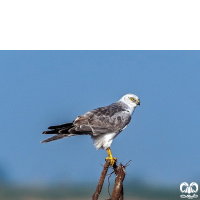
[102,124]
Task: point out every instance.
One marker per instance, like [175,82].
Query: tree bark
[101,180]
[118,192]
[118,187]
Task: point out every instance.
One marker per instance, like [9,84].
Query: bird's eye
[131,98]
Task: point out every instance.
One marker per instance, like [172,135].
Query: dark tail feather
[65,131]
[55,137]
[61,131]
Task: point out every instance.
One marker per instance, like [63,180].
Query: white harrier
[102,124]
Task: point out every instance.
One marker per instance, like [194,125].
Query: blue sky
[43,88]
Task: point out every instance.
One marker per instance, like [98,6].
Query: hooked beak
[138,102]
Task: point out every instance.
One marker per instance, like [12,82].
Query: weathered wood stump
[118,192]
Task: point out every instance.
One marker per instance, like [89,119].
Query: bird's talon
[112,161]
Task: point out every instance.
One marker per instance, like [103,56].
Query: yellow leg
[112,160]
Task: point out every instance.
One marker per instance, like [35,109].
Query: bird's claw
[112,161]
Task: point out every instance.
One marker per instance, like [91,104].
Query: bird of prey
[102,124]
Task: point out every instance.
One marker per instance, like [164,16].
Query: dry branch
[118,187]
[118,191]
[101,180]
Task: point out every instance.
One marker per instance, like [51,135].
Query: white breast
[103,141]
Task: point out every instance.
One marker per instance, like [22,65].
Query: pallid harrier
[102,124]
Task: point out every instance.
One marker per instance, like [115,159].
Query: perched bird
[102,124]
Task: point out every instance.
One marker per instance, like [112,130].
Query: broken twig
[118,191]
[118,187]
[101,180]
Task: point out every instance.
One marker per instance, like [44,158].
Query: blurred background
[43,88]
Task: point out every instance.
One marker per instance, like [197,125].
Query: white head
[131,100]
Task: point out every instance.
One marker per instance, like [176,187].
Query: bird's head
[131,100]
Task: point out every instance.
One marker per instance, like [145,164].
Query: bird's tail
[61,131]
[56,137]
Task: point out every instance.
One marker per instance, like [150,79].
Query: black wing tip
[51,127]
[61,126]
[50,132]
